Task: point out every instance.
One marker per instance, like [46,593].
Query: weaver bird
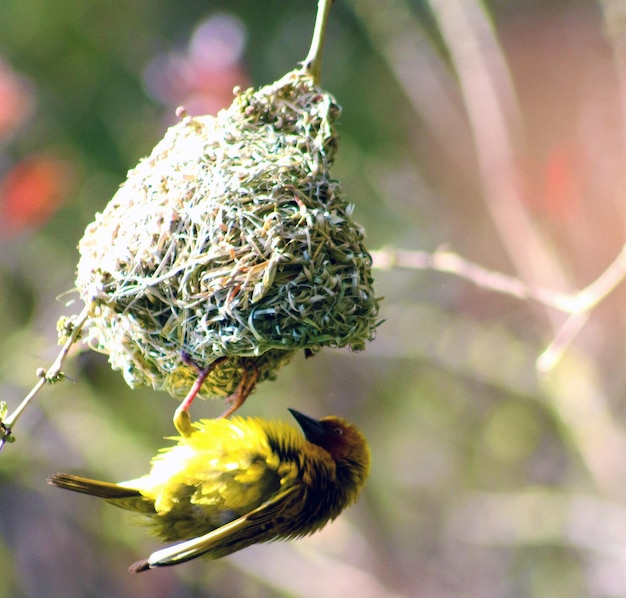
[236,482]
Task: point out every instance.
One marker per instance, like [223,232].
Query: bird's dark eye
[338,431]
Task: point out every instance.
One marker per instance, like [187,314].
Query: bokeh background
[493,128]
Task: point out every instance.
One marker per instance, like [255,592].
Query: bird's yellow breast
[226,468]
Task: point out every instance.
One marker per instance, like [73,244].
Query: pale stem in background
[494,120]
[487,93]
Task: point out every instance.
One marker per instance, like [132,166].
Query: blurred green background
[494,128]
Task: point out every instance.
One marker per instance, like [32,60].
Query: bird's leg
[245,387]
[182,420]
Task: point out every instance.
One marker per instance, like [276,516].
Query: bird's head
[345,443]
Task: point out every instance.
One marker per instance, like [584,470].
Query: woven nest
[230,239]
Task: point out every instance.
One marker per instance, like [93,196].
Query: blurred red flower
[31,192]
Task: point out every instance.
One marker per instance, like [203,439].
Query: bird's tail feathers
[93,487]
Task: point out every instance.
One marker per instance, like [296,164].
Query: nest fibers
[230,239]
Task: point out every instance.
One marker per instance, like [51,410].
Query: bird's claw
[245,387]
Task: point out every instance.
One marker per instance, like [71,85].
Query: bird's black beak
[312,428]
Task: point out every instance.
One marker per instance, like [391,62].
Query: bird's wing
[244,531]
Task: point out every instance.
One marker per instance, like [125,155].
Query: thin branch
[313,62]
[489,96]
[50,376]
[431,89]
[615,27]
[602,286]
[453,263]
[578,305]
[564,337]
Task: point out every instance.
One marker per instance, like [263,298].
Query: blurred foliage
[488,478]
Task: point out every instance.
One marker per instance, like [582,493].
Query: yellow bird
[231,483]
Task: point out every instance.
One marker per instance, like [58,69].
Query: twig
[583,302]
[615,27]
[49,376]
[313,62]
[493,115]
[563,339]
[453,263]
[578,305]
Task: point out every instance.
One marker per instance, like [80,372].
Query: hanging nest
[230,239]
